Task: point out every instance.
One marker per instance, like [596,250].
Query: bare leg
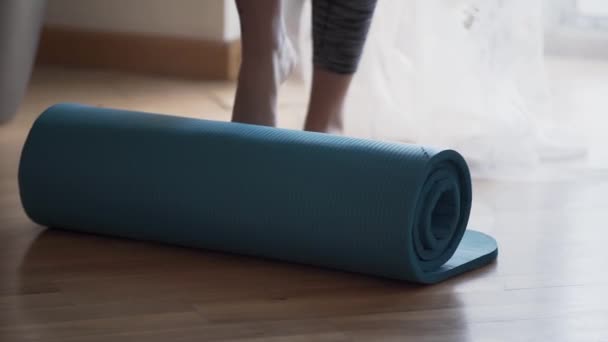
[339,32]
[267,60]
[327,95]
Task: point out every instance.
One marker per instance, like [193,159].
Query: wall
[180,38]
[201,19]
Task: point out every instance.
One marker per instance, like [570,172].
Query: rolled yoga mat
[385,209]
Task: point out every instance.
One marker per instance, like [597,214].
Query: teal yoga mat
[393,210]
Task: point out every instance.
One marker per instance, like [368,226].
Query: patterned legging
[339,32]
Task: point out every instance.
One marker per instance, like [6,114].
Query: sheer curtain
[461,74]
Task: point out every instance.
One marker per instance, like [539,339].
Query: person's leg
[267,59]
[340,29]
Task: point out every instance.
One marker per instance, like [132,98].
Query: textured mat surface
[392,210]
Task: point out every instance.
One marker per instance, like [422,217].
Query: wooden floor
[550,282]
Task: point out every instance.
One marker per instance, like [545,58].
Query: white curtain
[462,74]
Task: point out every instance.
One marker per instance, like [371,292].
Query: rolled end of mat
[442,211]
[386,209]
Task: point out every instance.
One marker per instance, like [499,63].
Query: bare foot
[328,91]
[261,74]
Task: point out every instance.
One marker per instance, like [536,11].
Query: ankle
[267,69]
[324,124]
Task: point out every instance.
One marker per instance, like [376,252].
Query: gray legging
[339,32]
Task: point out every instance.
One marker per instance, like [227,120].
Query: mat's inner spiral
[442,218]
